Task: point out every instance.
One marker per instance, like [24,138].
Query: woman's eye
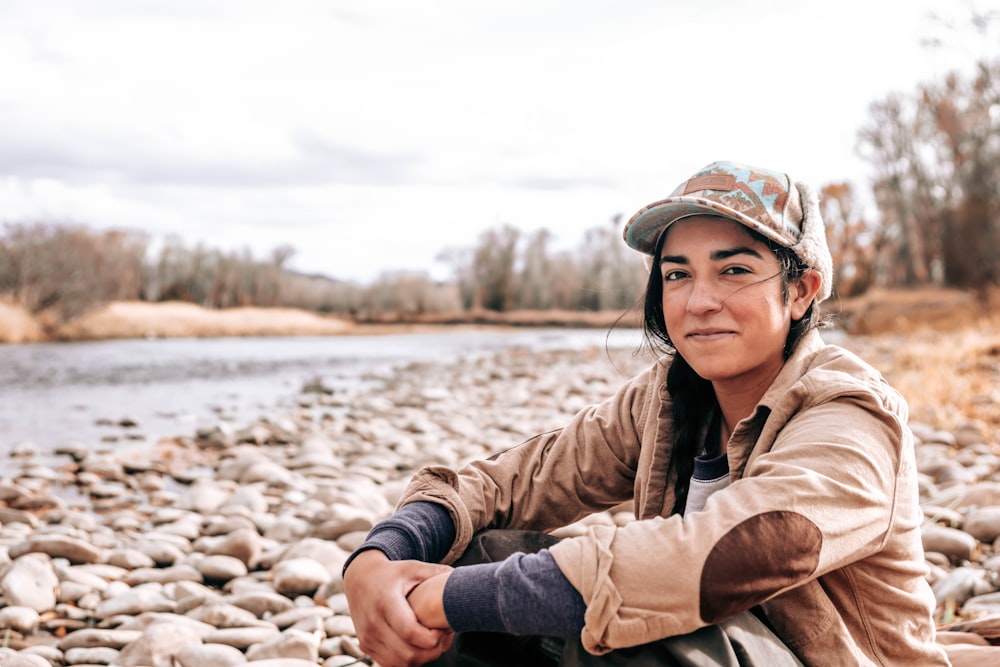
[671,276]
[735,271]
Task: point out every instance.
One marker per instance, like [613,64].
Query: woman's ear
[804,291]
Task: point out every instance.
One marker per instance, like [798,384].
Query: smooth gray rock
[135,601]
[144,621]
[21,619]
[249,497]
[97,655]
[267,472]
[242,637]
[292,644]
[174,573]
[221,568]
[292,616]
[339,624]
[334,529]
[981,605]
[71,591]
[188,527]
[130,559]
[951,542]
[8,516]
[59,546]
[243,544]
[204,496]
[157,646]
[9,658]
[287,529]
[321,551]
[50,653]
[31,581]
[224,615]
[262,603]
[983,523]
[162,553]
[981,494]
[341,661]
[220,525]
[299,576]
[209,655]
[105,571]
[91,637]
[105,466]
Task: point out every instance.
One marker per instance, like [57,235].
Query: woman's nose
[704,297]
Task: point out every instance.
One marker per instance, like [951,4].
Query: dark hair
[692,398]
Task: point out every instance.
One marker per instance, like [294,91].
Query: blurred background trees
[936,159]
[64,271]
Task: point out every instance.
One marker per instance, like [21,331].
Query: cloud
[92,154]
[559,184]
[324,160]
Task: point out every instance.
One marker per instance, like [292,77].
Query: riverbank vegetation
[935,232]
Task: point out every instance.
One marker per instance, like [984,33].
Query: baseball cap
[767,201]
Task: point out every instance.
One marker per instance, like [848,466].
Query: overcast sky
[372,134]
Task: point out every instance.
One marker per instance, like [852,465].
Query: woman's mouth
[708,335]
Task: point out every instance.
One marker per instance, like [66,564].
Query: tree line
[62,271]
[935,155]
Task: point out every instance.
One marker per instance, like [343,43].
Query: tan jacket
[820,526]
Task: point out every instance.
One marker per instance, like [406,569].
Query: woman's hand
[427,601]
[388,630]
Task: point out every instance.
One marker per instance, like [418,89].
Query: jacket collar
[748,430]
[794,368]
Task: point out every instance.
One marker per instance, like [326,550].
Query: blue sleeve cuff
[526,594]
[417,531]
[471,599]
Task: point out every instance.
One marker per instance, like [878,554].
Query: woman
[772,476]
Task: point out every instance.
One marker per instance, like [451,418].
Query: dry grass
[880,311]
[18,326]
[527,318]
[185,320]
[948,376]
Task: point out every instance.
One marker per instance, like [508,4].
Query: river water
[137,391]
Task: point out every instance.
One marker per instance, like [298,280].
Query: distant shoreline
[135,319]
[874,313]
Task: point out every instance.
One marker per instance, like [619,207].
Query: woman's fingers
[388,630]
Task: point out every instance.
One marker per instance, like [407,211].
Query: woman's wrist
[427,601]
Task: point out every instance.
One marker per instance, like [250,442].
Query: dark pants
[742,641]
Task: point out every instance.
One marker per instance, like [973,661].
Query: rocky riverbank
[225,546]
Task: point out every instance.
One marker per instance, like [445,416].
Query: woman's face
[723,305]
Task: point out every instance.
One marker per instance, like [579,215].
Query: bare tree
[888,142]
[854,243]
[461,262]
[494,268]
[535,284]
[405,294]
[967,128]
[64,271]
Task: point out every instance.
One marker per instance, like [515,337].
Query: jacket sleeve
[551,479]
[823,496]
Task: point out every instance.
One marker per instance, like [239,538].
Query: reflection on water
[52,394]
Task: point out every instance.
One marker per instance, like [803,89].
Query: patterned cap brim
[644,228]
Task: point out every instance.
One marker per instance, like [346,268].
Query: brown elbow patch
[755,560]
